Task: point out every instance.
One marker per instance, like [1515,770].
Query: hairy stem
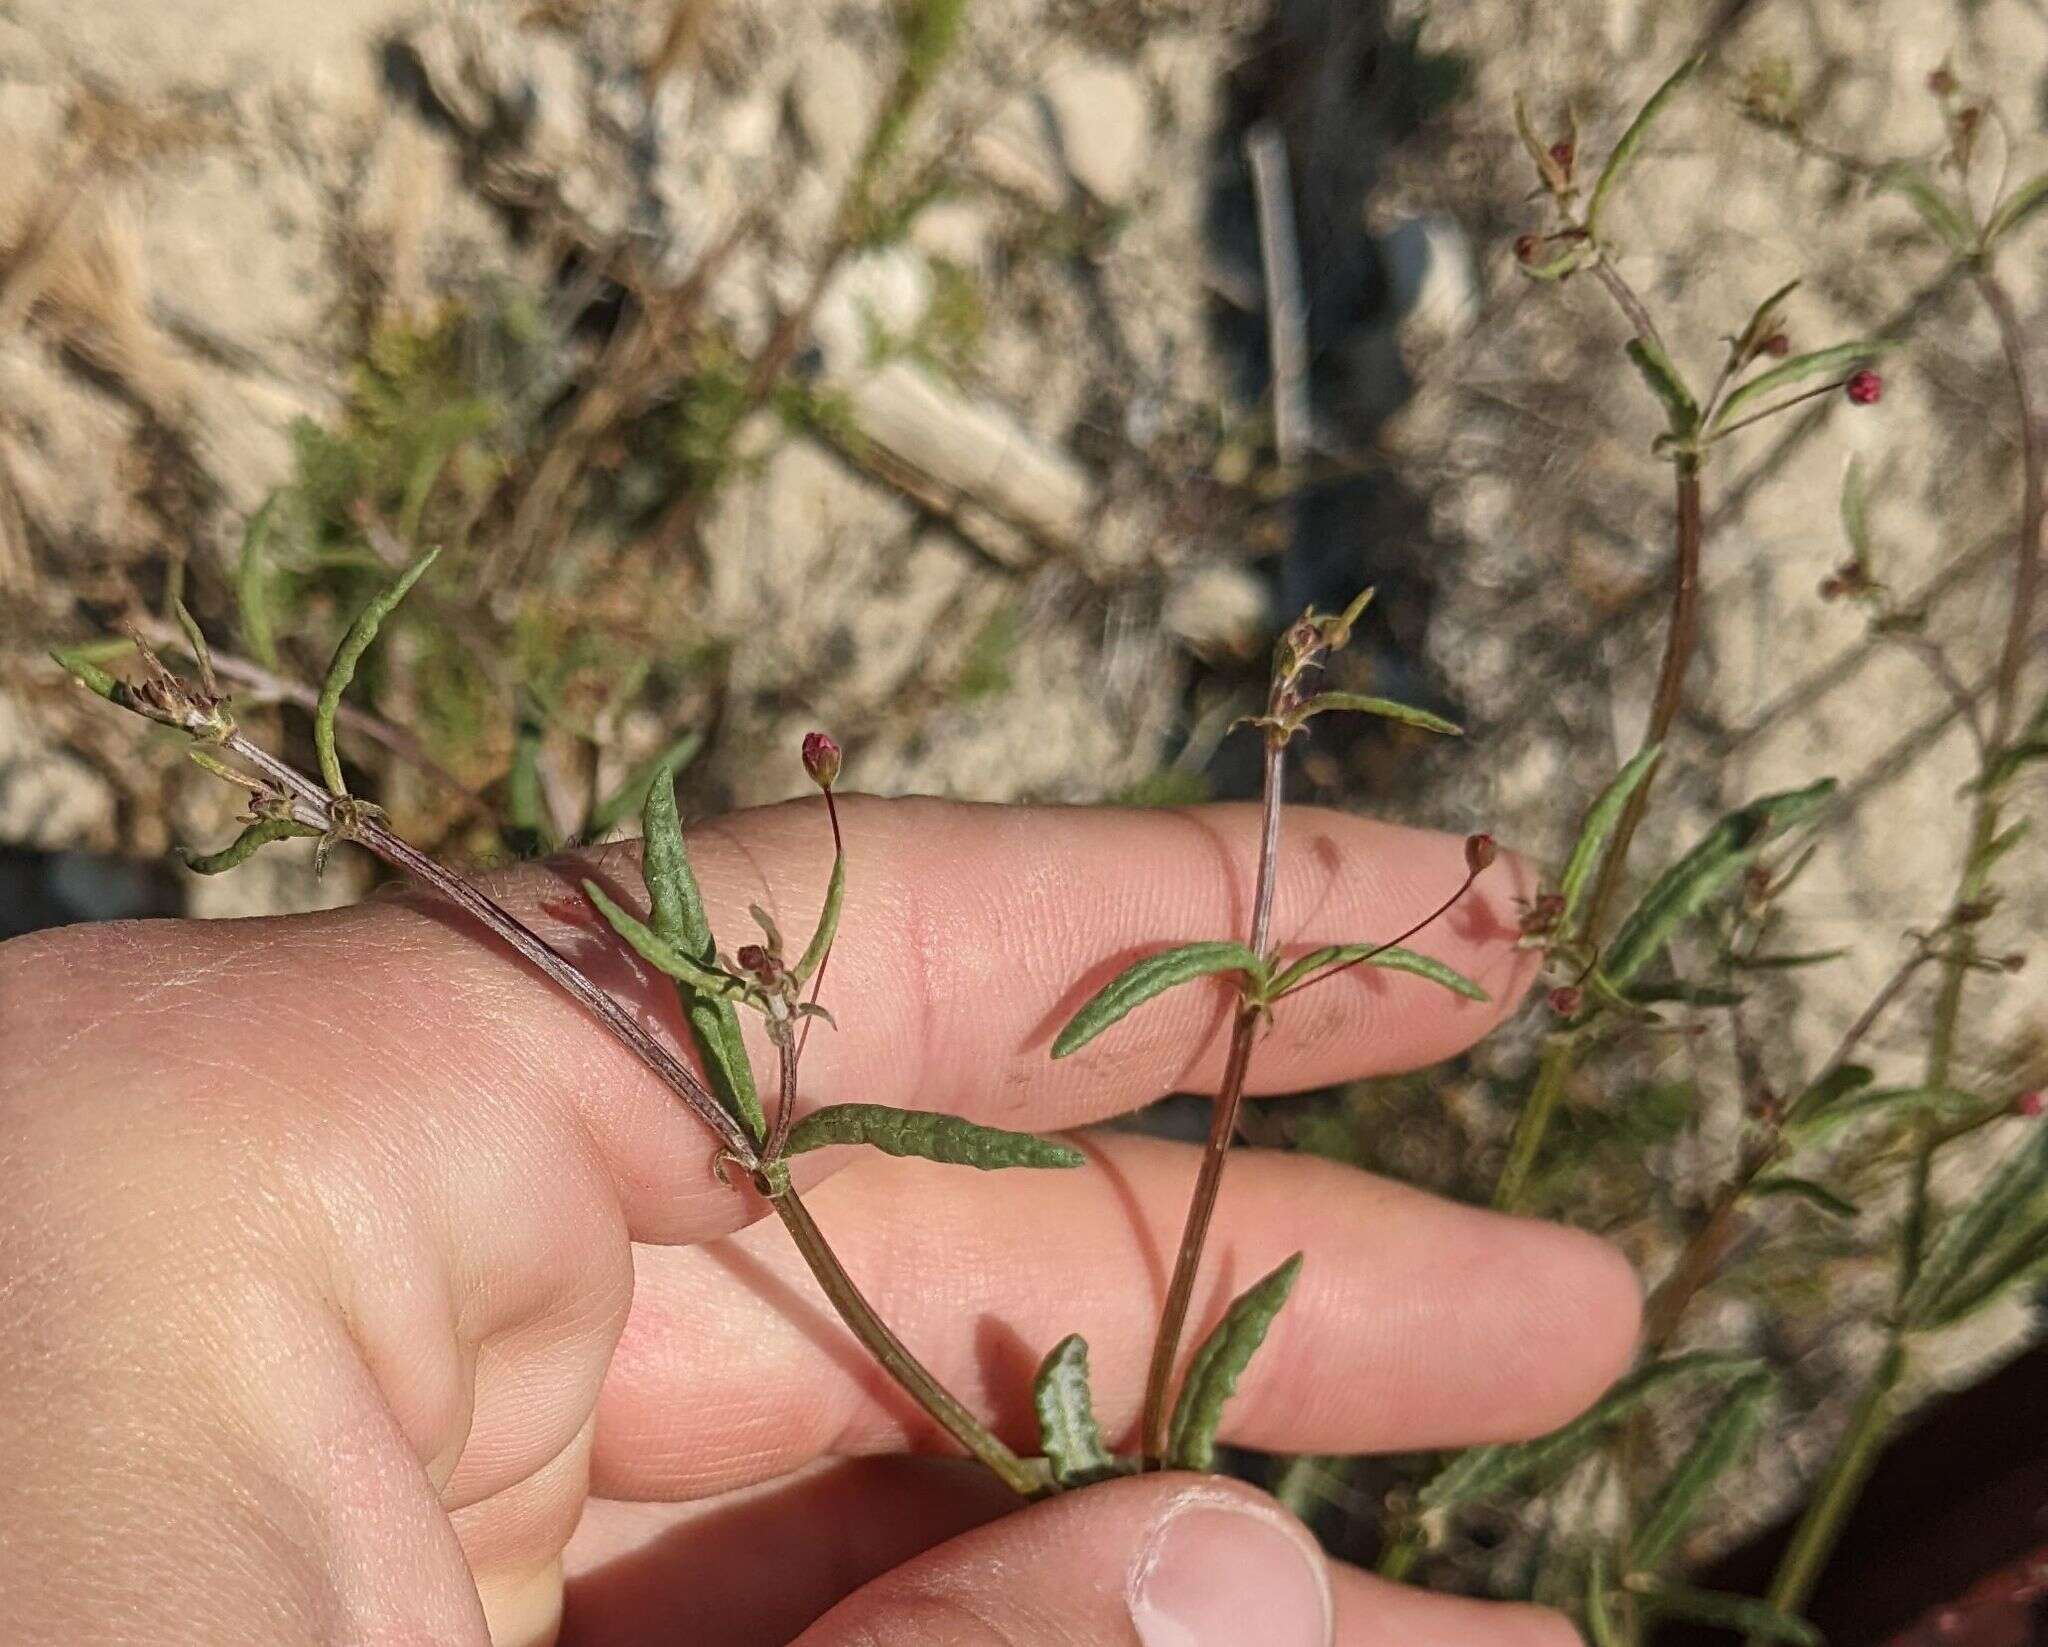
[910,1373]
[1222,1127]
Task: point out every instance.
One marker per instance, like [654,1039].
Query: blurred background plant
[924,371]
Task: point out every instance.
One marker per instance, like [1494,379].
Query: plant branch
[1222,1124]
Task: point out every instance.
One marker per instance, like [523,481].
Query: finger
[1158,1561]
[1416,1322]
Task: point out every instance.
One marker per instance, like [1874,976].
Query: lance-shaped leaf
[1703,874]
[529,830]
[1856,511]
[656,950]
[1603,1629]
[1631,143]
[2016,208]
[1601,818]
[1765,322]
[2030,746]
[1547,167]
[1393,957]
[343,669]
[1358,703]
[1830,362]
[1837,1084]
[1940,213]
[1480,1472]
[246,845]
[677,911]
[930,1135]
[828,921]
[1220,1363]
[1995,1217]
[2022,1262]
[1153,975]
[1681,410]
[1724,1439]
[83,667]
[1759,1620]
[630,796]
[1779,1185]
[1067,1432]
[1892,1103]
[1786,962]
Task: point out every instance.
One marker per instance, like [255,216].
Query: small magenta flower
[1480,850]
[2031,1104]
[1866,388]
[821,759]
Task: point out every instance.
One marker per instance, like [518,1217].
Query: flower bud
[821,759]
[1942,82]
[1562,155]
[2031,1104]
[1866,388]
[1480,850]
[1777,346]
[1566,999]
[1543,914]
[754,959]
[1527,248]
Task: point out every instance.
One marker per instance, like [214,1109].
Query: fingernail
[1219,1573]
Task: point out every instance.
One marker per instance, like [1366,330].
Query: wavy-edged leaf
[1681,410]
[342,670]
[1357,703]
[929,1135]
[630,795]
[1782,1184]
[1625,151]
[1393,957]
[246,845]
[1154,975]
[252,586]
[1481,1472]
[676,909]
[1708,870]
[1759,1620]
[1220,1363]
[1595,832]
[2016,208]
[1936,210]
[1840,357]
[1067,1432]
[1980,1231]
[1723,1440]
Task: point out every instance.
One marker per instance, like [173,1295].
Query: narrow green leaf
[1935,208]
[1829,362]
[1480,1472]
[1705,872]
[1758,1619]
[1358,704]
[1067,1432]
[246,845]
[1625,151]
[1765,320]
[1603,1629]
[343,669]
[1547,168]
[526,807]
[656,950]
[252,586]
[828,921]
[75,662]
[2016,208]
[1787,962]
[1723,1439]
[1681,410]
[1805,1189]
[630,796]
[1153,975]
[2031,745]
[1394,959]
[1577,255]
[2020,1263]
[1892,1103]
[1220,1363]
[1599,825]
[1830,1090]
[1980,1229]
[676,908]
[1681,992]
[929,1135]
[195,642]
[1856,511]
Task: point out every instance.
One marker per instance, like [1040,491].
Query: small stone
[1103,124]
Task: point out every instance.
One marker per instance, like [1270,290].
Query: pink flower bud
[2031,1104]
[1480,850]
[1526,248]
[1866,388]
[1566,999]
[821,759]
[1562,155]
[1777,345]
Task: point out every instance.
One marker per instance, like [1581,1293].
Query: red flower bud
[1563,155]
[1566,1000]
[1777,345]
[1480,850]
[756,960]
[821,759]
[1866,388]
[1527,246]
[2031,1104]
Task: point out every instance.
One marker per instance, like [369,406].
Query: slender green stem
[861,1319]
[1553,1070]
[1222,1125]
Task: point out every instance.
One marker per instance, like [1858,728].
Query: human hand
[355,1285]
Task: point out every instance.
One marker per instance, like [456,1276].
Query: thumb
[1155,1561]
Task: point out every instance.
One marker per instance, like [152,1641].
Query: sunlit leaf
[246,845]
[1220,1363]
[342,670]
[1830,362]
[1625,151]
[1153,975]
[1385,708]
[1722,1441]
[930,1135]
[1599,825]
[1067,1432]
[1393,958]
[1680,408]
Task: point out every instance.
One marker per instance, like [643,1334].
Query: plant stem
[1813,1541]
[1553,1069]
[895,1357]
[1222,1125]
